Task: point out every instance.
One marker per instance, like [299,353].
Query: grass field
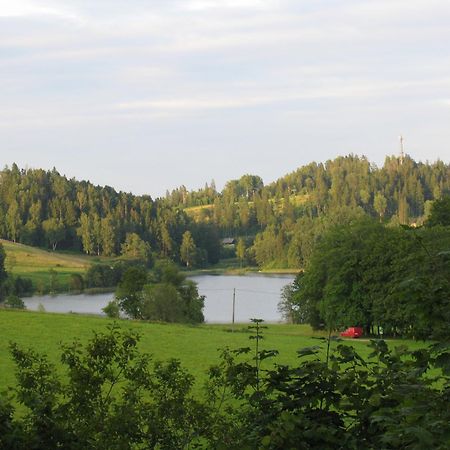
[35,263]
[196,346]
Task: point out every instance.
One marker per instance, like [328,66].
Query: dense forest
[44,208]
[392,281]
[278,223]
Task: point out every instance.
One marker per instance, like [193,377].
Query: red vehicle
[353,332]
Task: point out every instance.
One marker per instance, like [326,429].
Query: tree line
[281,221]
[278,222]
[45,209]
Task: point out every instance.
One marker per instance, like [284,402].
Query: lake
[257,296]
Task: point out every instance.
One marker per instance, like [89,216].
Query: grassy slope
[198,212]
[195,346]
[35,263]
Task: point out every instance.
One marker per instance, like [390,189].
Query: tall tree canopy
[440,212]
[369,275]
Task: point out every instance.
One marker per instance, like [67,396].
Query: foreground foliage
[112,396]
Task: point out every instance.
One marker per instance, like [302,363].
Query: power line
[215,290]
[258,292]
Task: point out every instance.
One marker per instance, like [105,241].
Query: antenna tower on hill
[402,153]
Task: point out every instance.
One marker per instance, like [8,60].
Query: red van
[352,332]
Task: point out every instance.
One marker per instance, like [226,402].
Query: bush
[76,282]
[111,396]
[162,302]
[13,301]
[16,285]
[103,275]
[169,297]
[112,309]
[99,275]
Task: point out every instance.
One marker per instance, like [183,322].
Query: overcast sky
[147,95]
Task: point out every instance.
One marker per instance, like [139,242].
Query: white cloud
[202,5]
[24,8]
[398,10]
[442,101]
[323,88]
[186,104]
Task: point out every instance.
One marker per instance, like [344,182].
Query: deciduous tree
[188,249]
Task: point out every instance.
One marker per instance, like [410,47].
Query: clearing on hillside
[36,264]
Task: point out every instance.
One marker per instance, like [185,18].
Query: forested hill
[351,181]
[287,216]
[278,222]
[43,208]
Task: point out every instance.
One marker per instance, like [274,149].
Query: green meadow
[37,264]
[196,346]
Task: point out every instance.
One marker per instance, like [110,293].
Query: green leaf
[306,351]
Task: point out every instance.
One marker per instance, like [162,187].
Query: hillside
[279,222]
[36,264]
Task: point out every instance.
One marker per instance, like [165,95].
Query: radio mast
[402,153]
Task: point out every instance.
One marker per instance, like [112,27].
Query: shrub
[13,301]
[112,309]
[76,282]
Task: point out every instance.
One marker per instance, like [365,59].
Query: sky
[145,96]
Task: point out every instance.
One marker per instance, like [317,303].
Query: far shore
[240,271]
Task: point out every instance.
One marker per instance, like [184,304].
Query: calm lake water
[257,296]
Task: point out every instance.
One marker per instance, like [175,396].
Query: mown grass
[36,264]
[196,346]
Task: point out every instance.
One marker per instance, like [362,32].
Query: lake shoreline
[256,295]
[240,272]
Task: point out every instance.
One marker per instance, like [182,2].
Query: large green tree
[163,302]
[85,233]
[13,221]
[135,247]
[55,232]
[129,290]
[165,295]
[240,250]
[373,276]
[108,235]
[440,212]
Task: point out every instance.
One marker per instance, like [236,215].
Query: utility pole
[234,304]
